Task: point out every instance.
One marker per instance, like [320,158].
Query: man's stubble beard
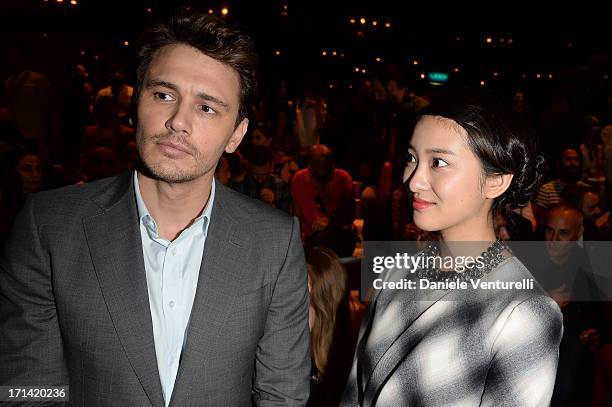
[168,173]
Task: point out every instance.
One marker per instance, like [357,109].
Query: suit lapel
[113,237]
[214,296]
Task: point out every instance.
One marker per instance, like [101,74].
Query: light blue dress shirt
[172,270]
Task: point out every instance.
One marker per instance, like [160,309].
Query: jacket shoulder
[249,209]
[74,198]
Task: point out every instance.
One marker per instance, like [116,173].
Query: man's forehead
[186,66]
[563,219]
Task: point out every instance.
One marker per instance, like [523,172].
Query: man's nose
[181,119]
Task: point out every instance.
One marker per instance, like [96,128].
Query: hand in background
[267,196]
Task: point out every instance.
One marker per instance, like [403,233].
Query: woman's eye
[163,96]
[438,162]
[410,158]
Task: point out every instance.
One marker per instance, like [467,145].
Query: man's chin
[169,175]
[176,178]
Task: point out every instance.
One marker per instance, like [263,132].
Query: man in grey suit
[160,286]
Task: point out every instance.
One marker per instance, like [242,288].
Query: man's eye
[163,96]
[438,162]
[207,109]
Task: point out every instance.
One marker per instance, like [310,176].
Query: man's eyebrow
[210,98]
[435,150]
[158,82]
[201,95]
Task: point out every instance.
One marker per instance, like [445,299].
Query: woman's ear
[497,184]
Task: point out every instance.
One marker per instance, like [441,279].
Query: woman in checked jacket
[450,347]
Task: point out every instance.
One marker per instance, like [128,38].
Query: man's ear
[497,184]
[237,136]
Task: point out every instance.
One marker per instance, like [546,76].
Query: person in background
[118,90]
[587,200]
[30,96]
[100,162]
[260,183]
[606,138]
[237,168]
[29,167]
[75,103]
[261,136]
[108,131]
[591,149]
[310,114]
[222,172]
[330,327]
[323,200]
[566,273]
[569,173]
[511,226]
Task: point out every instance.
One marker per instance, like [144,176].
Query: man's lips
[420,204]
[173,148]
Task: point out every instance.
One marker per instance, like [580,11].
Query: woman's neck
[470,238]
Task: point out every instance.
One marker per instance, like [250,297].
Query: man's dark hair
[211,36]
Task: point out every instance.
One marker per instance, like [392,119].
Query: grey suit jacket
[74,307]
[497,348]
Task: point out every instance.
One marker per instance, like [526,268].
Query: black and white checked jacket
[493,349]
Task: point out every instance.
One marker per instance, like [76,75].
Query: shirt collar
[146,218]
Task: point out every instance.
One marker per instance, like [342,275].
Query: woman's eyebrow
[438,150]
[435,150]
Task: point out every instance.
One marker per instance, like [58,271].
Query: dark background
[527,38]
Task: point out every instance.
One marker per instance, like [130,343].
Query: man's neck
[174,206]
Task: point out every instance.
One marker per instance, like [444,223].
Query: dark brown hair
[504,143]
[211,36]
